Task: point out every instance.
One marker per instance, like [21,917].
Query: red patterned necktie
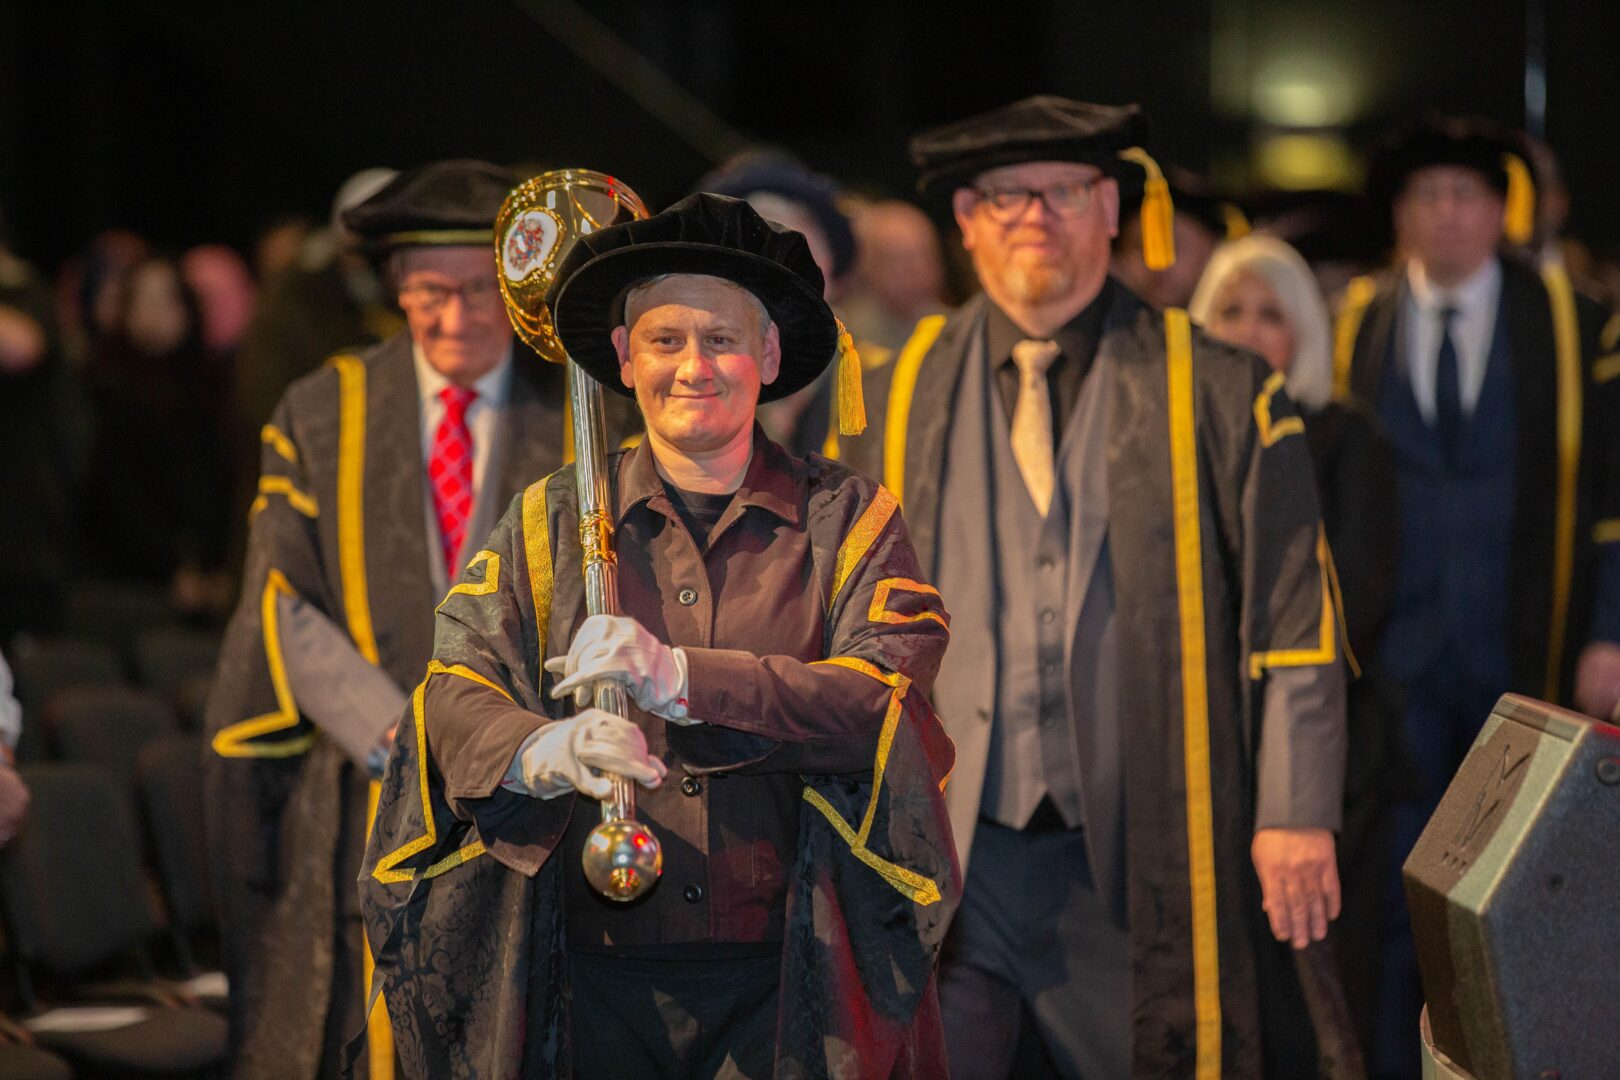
[451,469]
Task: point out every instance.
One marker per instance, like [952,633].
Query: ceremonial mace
[538,223]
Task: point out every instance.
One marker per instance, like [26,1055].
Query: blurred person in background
[279,244]
[88,291]
[785,191]
[155,508]
[899,277]
[331,298]
[1201,221]
[226,294]
[44,451]
[13,792]
[1506,579]
[383,471]
[1258,292]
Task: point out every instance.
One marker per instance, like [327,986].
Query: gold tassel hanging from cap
[1158,213]
[851,399]
[1519,211]
[1235,220]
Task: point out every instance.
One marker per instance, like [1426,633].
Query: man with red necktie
[382,473]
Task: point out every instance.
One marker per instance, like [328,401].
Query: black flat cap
[706,234]
[1438,140]
[441,204]
[785,176]
[1041,128]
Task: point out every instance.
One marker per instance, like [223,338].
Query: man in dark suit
[1144,683]
[1483,374]
[382,473]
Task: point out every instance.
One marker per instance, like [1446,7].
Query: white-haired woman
[1259,293]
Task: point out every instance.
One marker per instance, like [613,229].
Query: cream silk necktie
[1032,420]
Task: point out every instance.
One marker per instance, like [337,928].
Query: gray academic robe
[1228,637]
[339,529]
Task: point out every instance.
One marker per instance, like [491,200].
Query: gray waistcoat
[1020,582]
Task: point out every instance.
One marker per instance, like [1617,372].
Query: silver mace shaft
[622,857]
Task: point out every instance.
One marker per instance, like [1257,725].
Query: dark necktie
[1448,417]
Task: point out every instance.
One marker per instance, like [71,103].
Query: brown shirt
[809,562]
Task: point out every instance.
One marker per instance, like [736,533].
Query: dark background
[203,119]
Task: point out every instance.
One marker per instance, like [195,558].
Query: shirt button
[692,893]
[1047,720]
[1045,564]
[691,786]
[1048,667]
[687,596]
[1048,615]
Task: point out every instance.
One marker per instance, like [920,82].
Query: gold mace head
[537,224]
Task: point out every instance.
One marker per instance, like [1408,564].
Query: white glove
[559,757]
[619,648]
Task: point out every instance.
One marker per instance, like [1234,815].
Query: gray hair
[1310,369]
[635,291]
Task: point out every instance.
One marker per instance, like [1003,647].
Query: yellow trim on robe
[1269,432]
[829,445]
[1338,606]
[1194,696]
[233,741]
[1567,339]
[868,527]
[379,1032]
[1605,369]
[1327,649]
[351,537]
[879,611]
[537,545]
[278,439]
[901,386]
[1609,336]
[1606,532]
[384,870]
[491,582]
[301,501]
[1357,295]
[910,884]
[351,478]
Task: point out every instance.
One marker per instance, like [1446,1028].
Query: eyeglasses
[429,298]
[1067,200]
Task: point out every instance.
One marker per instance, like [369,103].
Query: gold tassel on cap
[1235,220]
[1519,213]
[1158,213]
[851,399]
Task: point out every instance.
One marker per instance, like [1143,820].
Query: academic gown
[1221,575]
[462,886]
[1556,572]
[339,523]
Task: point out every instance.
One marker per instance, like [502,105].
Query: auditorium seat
[167,656]
[42,666]
[108,726]
[74,900]
[171,796]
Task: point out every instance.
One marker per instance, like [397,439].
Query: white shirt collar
[1477,291]
[491,388]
